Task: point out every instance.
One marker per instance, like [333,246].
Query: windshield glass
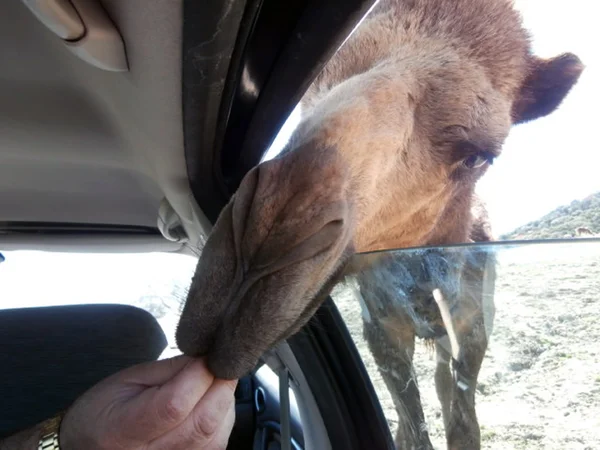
[156,282]
[509,327]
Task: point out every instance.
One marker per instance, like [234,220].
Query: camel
[584,232]
[397,129]
[400,303]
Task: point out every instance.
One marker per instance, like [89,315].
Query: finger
[154,373]
[160,409]
[208,425]
[222,438]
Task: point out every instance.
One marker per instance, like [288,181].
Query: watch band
[49,434]
[49,441]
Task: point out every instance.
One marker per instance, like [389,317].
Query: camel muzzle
[272,249]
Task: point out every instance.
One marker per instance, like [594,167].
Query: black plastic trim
[340,383]
[315,30]
[210,31]
[245,67]
[57,228]
[273,25]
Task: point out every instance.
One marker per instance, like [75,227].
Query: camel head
[396,131]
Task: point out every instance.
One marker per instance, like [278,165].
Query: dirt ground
[539,387]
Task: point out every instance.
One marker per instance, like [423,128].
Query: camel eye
[478,160]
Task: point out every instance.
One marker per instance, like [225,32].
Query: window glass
[526,314]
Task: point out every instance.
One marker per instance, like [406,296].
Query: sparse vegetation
[162,304]
[562,222]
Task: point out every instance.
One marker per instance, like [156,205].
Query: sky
[554,160]
[546,163]
[33,278]
[74,278]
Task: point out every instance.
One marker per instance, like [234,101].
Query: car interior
[125,126]
[125,129]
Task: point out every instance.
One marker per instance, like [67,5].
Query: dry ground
[539,387]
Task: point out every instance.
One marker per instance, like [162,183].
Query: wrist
[23,440]
[49,435]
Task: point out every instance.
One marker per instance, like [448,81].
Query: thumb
[160,408]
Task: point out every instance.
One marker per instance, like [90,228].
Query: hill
[562,222]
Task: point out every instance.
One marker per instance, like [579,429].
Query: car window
[524,314]
[532,330]
[156,282]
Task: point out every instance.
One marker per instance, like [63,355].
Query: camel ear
[548,83]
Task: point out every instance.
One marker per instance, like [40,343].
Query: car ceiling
[95,160]
[82,145]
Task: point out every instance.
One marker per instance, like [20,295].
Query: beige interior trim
[83,145]
[89,244]
[60,16]
[102,45]
[85,29]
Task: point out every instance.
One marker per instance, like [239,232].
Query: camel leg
[444,383]
[462,426]
[458,403]
[394,360]
[463,354]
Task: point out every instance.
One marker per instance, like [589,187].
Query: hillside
[562,222]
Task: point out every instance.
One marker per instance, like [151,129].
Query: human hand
[164,405]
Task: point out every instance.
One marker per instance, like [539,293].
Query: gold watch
[49,434]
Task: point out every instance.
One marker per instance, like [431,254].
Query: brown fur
[384,158]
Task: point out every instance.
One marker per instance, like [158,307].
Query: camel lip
[277,242]
[233,349]
[189,346]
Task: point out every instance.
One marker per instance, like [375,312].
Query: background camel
[398,128]
[584,232]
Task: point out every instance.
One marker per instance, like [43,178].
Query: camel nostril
[293,238]
[323,239]
[330,231]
